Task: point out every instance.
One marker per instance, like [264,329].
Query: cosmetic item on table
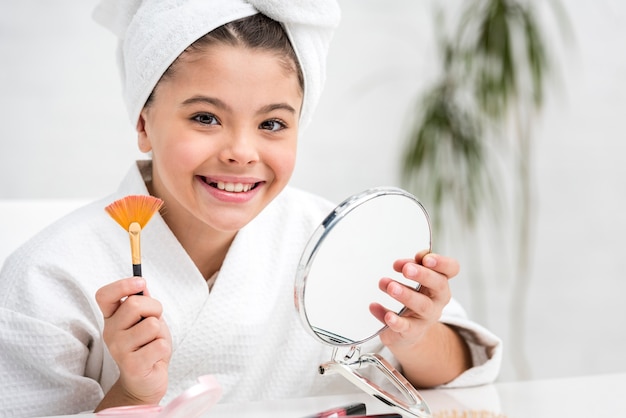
[133,213]
[192,403]
[473,413]
[342,411]
[390,415]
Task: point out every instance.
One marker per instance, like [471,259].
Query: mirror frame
[413,403]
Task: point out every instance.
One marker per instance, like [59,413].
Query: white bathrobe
[245,331]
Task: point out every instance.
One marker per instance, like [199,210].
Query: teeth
[234,187]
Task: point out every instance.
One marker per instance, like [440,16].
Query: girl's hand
[424,306]
[430,352]
[139,341]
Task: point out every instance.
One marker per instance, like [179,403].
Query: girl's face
[222,129]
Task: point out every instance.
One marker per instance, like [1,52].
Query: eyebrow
[206,99]
[220,104]
[277,106]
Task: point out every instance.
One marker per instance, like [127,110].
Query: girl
[218,91]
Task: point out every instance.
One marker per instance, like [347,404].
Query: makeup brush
[133,213]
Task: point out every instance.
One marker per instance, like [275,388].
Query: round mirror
[337,281]
[353,248]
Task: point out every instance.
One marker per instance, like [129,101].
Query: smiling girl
[218,91]
[222,125]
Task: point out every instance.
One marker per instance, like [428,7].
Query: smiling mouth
[231,187]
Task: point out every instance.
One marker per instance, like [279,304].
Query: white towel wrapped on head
[153,33]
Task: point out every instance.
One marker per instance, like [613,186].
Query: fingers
[447,266]
[137,337]
[110,296]
[379,311]
[421,303]
[423,306]
[395,322]
[431,272]
[131,322]
[139,348]
[134,315]
[144,370]
[429,283]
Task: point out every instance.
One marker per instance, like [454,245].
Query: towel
[153,33]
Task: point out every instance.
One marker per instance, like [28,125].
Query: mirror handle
[414,404]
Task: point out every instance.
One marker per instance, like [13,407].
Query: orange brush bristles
[133,213]
[135,208]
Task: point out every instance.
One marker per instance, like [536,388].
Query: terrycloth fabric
[153,33]
[246,331]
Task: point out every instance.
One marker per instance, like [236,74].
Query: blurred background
[64,133]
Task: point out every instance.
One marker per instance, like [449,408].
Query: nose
[240,148]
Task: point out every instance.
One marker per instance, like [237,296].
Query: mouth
[231,187]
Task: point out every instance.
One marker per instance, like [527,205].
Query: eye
[272,125]
[205,119]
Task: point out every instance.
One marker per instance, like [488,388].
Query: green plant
[474,122]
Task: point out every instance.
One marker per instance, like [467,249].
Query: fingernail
[429,261]
[138,282]
[396,289]
[411,270]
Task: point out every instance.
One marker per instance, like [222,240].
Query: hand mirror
[337,280]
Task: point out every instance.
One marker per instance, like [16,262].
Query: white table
[588,396]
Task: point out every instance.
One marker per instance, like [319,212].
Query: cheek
[178,156]
[186,155]
[283,161]
[176,144]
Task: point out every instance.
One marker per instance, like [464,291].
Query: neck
[206,247]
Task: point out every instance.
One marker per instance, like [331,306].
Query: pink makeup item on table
[192,403]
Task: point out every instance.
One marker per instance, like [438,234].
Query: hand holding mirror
[337,280]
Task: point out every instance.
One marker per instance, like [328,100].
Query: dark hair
[255,32]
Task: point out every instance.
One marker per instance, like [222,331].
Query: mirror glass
[348,254]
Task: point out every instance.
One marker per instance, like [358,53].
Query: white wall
[64,133]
